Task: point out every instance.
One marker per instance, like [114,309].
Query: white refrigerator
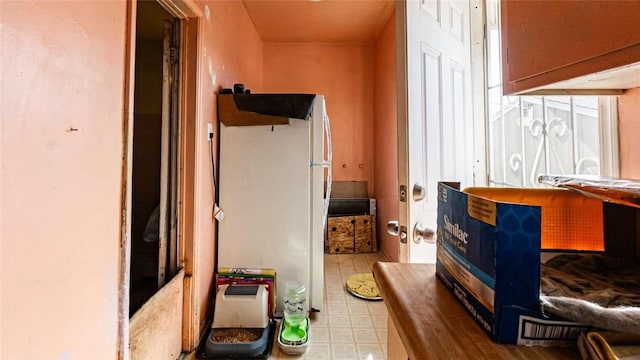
[272,194]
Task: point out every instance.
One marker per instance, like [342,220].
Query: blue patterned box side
[489,258]
[522,326]
[483,317]
[471,241]
[465,260]
[518,255]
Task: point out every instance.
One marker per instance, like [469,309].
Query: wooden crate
[341,235]
[352,234]
[365,234]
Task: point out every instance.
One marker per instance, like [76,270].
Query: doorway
[154,240]
[158,307]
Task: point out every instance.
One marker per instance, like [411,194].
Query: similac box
[489,243]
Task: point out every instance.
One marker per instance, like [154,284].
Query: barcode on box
[535,331]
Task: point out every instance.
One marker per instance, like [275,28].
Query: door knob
[395,230]
[419,192]
[421,233]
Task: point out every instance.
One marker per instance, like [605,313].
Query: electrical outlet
[209,131]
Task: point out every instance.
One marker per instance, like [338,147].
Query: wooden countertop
[434,325]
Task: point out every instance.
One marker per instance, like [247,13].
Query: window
[532,135]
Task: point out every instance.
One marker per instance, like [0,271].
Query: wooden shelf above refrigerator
[263,109]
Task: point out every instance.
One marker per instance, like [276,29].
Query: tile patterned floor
[349,328]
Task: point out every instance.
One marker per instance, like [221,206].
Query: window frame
[607,105]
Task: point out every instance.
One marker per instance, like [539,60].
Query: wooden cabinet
[395,349]
[352,234]
[580,46]
[428,322]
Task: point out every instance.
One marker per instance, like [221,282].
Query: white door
[435,137]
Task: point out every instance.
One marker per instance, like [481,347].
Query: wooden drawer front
[363,240]
[341,235]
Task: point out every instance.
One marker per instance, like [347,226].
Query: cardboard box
[489,252]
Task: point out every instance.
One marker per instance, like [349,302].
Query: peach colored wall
[61,166]
[343,73]
[61,146]
[385,141]
[629,128]
[232,53]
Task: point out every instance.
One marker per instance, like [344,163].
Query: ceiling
[319,20]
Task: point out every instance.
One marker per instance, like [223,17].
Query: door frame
[190,97]
[403,125]
[191,15]
[478,92]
